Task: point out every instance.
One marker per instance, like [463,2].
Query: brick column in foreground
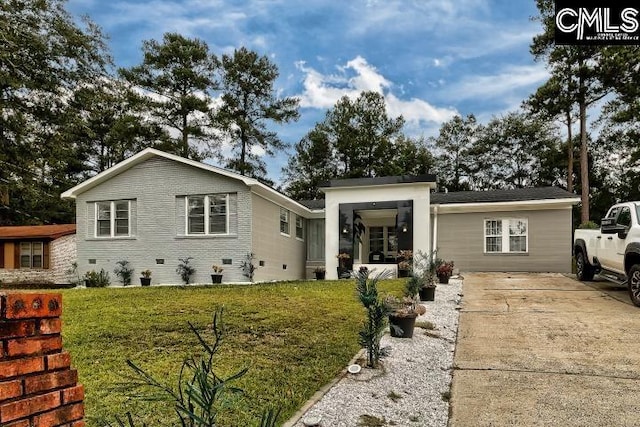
[38,388]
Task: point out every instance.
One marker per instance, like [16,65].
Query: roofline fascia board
[429,184]
[285,202]
[445,208]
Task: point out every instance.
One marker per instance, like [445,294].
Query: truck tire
[584,272]
[634,284]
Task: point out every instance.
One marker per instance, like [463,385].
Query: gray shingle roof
[494,196]
[381,180]
[313,204]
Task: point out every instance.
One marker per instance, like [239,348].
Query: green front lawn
[294,336]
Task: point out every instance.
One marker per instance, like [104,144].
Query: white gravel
[412,388]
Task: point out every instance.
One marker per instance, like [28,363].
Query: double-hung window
[506,235]
[284,221]
[31,254]
[299,227]
[112,218]
[208,214]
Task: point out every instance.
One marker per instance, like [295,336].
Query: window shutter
[16,255]
[45,255]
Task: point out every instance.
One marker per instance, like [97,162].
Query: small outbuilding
[37,253]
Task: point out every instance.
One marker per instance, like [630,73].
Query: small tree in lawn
[373,329]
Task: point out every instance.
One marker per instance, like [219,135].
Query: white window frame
[301,219]
[288,222]
[112,219]
[207,215]
[505,235]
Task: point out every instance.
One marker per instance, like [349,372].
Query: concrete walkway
[545,350]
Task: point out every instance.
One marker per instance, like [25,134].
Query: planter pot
[444,279]
[343,273]
[403,273]
[145,281]
[216,278]
[402,326]
[320,275]
[427,294]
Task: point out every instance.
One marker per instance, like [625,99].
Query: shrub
[124,272]
[97,280]
[248,267]
[185,269]
[589,225]
[374,326]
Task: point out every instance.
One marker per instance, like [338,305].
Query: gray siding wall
[270,246]
[461,239]
[157,188]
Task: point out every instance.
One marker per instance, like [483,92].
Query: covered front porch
[370,221]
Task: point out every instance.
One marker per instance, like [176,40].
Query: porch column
[332,237]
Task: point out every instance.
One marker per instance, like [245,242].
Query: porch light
[405,228]
[345,230]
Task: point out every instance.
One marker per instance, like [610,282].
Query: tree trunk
[243,153]
[185,138]
[584,157]
[570,153]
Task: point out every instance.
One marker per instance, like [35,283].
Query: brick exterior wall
[63,253]
[38,388]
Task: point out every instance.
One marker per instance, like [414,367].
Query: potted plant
[405,264]
[402,315]
[444,271]
[428,292]
[145,280]
[320,273]
[216,277]
[343,259]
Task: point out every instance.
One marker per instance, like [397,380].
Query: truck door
[605,245]
[620,243]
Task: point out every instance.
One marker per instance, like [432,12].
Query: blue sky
[430,58]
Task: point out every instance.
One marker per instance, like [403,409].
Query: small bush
[185,269]
[124,272]
[248,267]
[589,225]
[97,280]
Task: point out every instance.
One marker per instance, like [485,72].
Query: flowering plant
[445,269]
[217,269]
[404,265]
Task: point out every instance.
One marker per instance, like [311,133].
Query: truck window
[625,217]
[613,212]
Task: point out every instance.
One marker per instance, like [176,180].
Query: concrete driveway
[545,350]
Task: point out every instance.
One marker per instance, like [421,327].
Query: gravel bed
[412,388]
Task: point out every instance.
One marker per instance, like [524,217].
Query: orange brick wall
[38,388]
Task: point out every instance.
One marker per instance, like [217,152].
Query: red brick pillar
[38,388]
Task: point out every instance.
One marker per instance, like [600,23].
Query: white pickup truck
[613,252]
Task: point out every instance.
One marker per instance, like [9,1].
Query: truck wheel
[634,284]
[584,272]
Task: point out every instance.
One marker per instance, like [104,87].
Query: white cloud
[356,76]
[500,85]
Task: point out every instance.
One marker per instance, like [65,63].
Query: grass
[295,337]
